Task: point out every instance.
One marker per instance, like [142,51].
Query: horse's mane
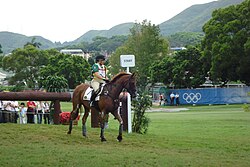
[119,75]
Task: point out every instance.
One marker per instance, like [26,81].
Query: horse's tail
[78,97]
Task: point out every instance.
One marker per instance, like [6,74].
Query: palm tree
[33,43]
[1,49]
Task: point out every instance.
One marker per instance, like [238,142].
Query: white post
[128,61]
[129,110]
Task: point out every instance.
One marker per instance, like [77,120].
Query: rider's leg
[95,85]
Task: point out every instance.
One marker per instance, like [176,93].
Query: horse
[108,102]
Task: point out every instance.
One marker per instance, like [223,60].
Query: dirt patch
[166,109]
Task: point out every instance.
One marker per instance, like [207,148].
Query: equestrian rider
[99,72]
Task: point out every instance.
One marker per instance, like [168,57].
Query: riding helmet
[100,57]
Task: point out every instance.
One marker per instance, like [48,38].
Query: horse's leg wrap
[102,135]
[70,126]
[119,137]
[120,129]
[84,130]
[73,116]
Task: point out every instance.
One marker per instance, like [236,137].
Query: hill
[193,18]
[121,29]
[11,41]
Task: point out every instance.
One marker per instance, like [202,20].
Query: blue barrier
[213,95]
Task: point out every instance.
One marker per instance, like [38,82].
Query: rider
[99,72]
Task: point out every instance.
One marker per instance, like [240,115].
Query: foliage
[162,70]
[188,70]
[141,121]
[17,88]
[183,69]
[101,44]
[1,60]
[226,45]
[147,45]
[1,49]
[114,60]
[74,69]
[33,43]
[25,63]
[246,108]
[185,38]
[54,83]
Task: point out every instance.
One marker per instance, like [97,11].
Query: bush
[141,121]
[246,108]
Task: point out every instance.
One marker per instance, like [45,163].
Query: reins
[108,89]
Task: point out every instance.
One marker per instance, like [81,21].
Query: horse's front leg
[118,116]
[102,123]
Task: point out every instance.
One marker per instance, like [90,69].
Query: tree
[187,70]
[140,120]
[185,38]
[33,43]
[162,70]
[54,83]
[1,49]
[74,69]
[147,45]
[25,63]
[226,44]
[183,69]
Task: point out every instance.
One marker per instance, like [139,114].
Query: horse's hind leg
[84,119]
[73,116]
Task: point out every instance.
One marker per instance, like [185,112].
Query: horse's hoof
[119,138]
[103,139]
[68,132]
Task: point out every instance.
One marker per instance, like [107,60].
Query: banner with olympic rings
[213,95]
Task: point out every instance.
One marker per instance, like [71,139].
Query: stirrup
[91,104]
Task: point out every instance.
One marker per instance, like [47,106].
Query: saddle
[91,95]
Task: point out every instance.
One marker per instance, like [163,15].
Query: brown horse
[108,102]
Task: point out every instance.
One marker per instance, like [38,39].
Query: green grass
[201,136]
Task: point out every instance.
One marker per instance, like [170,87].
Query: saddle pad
[88,93]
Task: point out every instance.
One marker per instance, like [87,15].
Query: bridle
[108,87]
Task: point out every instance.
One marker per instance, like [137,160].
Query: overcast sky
[66,20]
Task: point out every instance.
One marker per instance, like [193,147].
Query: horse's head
[131,86]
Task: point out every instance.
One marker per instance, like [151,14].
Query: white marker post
[128,61]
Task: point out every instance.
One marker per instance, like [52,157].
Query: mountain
[121,29]
[11,41]
[193,18]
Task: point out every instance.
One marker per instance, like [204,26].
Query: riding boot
[92,99]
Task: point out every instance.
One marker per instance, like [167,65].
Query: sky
[67,20]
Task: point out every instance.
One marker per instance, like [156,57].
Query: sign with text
[127,60]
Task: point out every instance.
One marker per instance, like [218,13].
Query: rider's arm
[97,75]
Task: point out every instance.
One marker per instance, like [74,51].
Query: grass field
[201,136]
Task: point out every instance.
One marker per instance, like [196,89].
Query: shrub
[246,108]
[141,121]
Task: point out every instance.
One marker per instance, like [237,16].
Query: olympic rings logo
[194,98]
